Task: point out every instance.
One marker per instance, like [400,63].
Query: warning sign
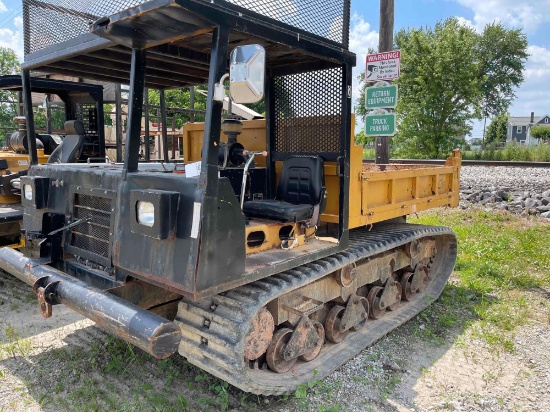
[383,66]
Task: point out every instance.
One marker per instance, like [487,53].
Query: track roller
[332,325]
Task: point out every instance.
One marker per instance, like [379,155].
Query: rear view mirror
[247,73]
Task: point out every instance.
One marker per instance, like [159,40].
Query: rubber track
[218,347]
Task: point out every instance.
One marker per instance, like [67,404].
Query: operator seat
[301,193]
[71,147]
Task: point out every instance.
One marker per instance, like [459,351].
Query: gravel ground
[519,190]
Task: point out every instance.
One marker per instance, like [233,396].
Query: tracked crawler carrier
[259,269]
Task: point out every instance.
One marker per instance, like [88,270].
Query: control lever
[245,171]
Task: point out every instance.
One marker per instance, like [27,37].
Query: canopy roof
[178,37]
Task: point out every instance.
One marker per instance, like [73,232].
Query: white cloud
[361,38]
[18,22]
[466,23]
[13,40]
[3,7]
[533,93]
[527,14]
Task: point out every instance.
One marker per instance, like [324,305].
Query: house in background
[519,128]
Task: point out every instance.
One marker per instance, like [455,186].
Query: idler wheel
[259,334]
[332,325]
[309,356]
[275,352]
[376,312]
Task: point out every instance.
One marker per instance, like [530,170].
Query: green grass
[512,152]
[503,261]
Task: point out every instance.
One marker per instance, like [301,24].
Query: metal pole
[385,43]
[48,115]
[20,104]
[135,109]
[212,124]
[29,116]
[164,128]
[173,157]
[146,137]
[192,103]
[100,123]
[118,121]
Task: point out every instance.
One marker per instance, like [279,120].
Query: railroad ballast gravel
[516,189]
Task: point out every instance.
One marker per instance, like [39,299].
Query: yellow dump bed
[377,192]
[382,192]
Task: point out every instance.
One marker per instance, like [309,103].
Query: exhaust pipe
[152,333]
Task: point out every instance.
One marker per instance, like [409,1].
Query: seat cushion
[277,210]
[302,180]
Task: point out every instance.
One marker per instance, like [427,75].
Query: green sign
[381,97]
[380,124]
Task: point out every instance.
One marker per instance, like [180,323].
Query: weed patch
[500,258]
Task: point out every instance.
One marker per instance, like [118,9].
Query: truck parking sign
[380,124]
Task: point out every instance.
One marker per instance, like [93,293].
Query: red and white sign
[383,66]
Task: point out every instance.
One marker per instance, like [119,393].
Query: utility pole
[385,43]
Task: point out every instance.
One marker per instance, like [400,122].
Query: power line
[9,18]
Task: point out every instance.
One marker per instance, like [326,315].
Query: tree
[8,62]
[501,54]
[177,98]
[180,98]
[541,132]
[438,89]
[497,130]
[8,100]
[490,65]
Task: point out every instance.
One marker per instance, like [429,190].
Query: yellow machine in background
[16,162]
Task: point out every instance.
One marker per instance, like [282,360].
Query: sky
[530,15]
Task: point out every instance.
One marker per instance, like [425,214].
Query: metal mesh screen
[325,18]
[92,236]
[49,22]
[308,111]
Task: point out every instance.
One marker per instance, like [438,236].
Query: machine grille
[92,236]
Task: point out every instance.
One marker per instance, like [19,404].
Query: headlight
[145,213]
[27,192]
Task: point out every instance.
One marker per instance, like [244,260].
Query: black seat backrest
[302,180]
[70,149]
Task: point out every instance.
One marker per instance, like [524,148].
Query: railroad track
[466,162]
